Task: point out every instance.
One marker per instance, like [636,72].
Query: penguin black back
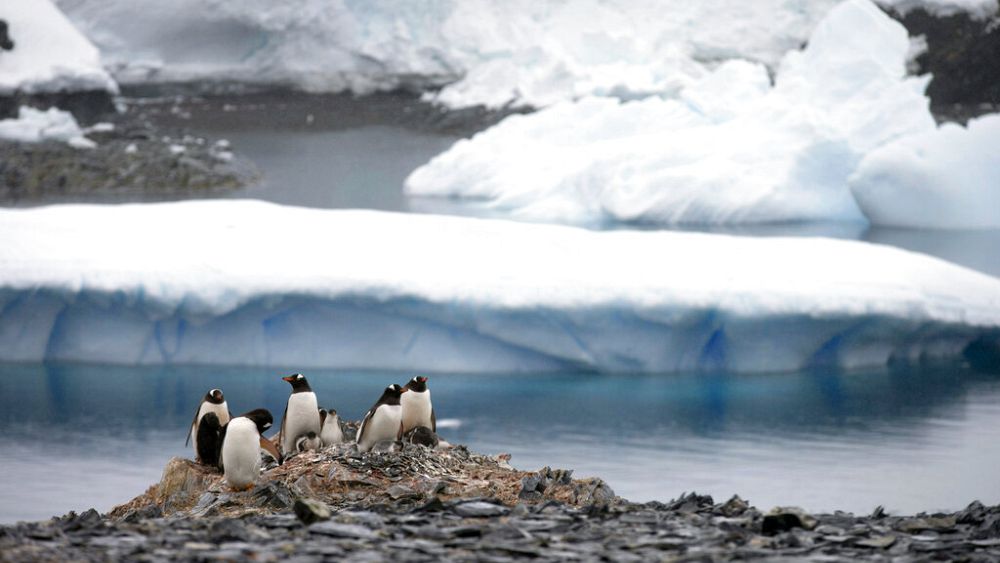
[262,418]
[209,439]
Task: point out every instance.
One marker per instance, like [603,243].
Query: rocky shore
[417,504]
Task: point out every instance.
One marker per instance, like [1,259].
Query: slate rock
[309,511]
[783,518]
[480,509]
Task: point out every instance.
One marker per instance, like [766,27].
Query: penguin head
[262,418]
[298,382]
[215,397]
[322,416]
[417,384]
[392,393]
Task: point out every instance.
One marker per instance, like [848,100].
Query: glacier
[730,149]
[948,178]
[49,54]
[253,283]
[478,52]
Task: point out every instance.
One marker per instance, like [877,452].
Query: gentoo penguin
[301,413]
[383,421]
[242,440]
[417,409]
[309,442]
[209,439]
[329,427]
[213,402]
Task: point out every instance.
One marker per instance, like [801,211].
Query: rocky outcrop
[962,53]
[342,477]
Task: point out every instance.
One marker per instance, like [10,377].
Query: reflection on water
[80,436]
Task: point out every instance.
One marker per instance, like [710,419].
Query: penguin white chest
[382,425]
[416,409]
[301,418]
[221,410]
[331,434]
[241,453]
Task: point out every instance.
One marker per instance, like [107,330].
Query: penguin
[209,439]
[417,408]
[301,413]
[329,428]
[242,440]
[383,421]
[309,442]
[213,402]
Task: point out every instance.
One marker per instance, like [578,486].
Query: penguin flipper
[222,440]
[271,449]
[399,433]
[194,423]
[434,422]
[364,422]
[281,431]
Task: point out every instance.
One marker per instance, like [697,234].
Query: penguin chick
[309,442]
[421,436]
[241,445]
[213,402]
[383,421]
[417,408]
[329,428]
[209,439]
[301,413]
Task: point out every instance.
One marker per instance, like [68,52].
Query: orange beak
[288,378]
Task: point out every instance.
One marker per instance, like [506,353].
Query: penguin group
[235,444]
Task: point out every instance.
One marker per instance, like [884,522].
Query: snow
[36,126]
[243,282]
[730,149]
[49,54]
[948,178]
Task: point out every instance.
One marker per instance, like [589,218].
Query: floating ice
[948,178]
[980,9]
[35,126]
[243,282]
[49,54]
[732,149]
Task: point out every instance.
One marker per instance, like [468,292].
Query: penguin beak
[403,390]
[289,378]
[422,379]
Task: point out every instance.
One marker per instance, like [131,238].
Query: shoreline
[419,504]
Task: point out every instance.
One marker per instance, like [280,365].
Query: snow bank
[948,178]
[731,149]
[49,54]
[35,126]
[253,283]
[517,52]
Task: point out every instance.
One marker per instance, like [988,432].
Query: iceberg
[948,178]
[49,54]
[730,149]
[252,283]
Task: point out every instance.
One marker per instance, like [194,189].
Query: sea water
[80,436]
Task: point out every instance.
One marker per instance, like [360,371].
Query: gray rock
[479,509]
[337,530]
[309,511]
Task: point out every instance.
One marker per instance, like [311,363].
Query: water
[78,436]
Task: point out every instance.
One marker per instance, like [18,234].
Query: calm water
[78,436]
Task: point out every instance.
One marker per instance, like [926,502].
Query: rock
[336,530]
[915,525]
[735,506]
[182,482]
[877,542]
[309,511]
[480,509]
[783,518]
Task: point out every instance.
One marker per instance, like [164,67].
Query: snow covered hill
[233,282]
